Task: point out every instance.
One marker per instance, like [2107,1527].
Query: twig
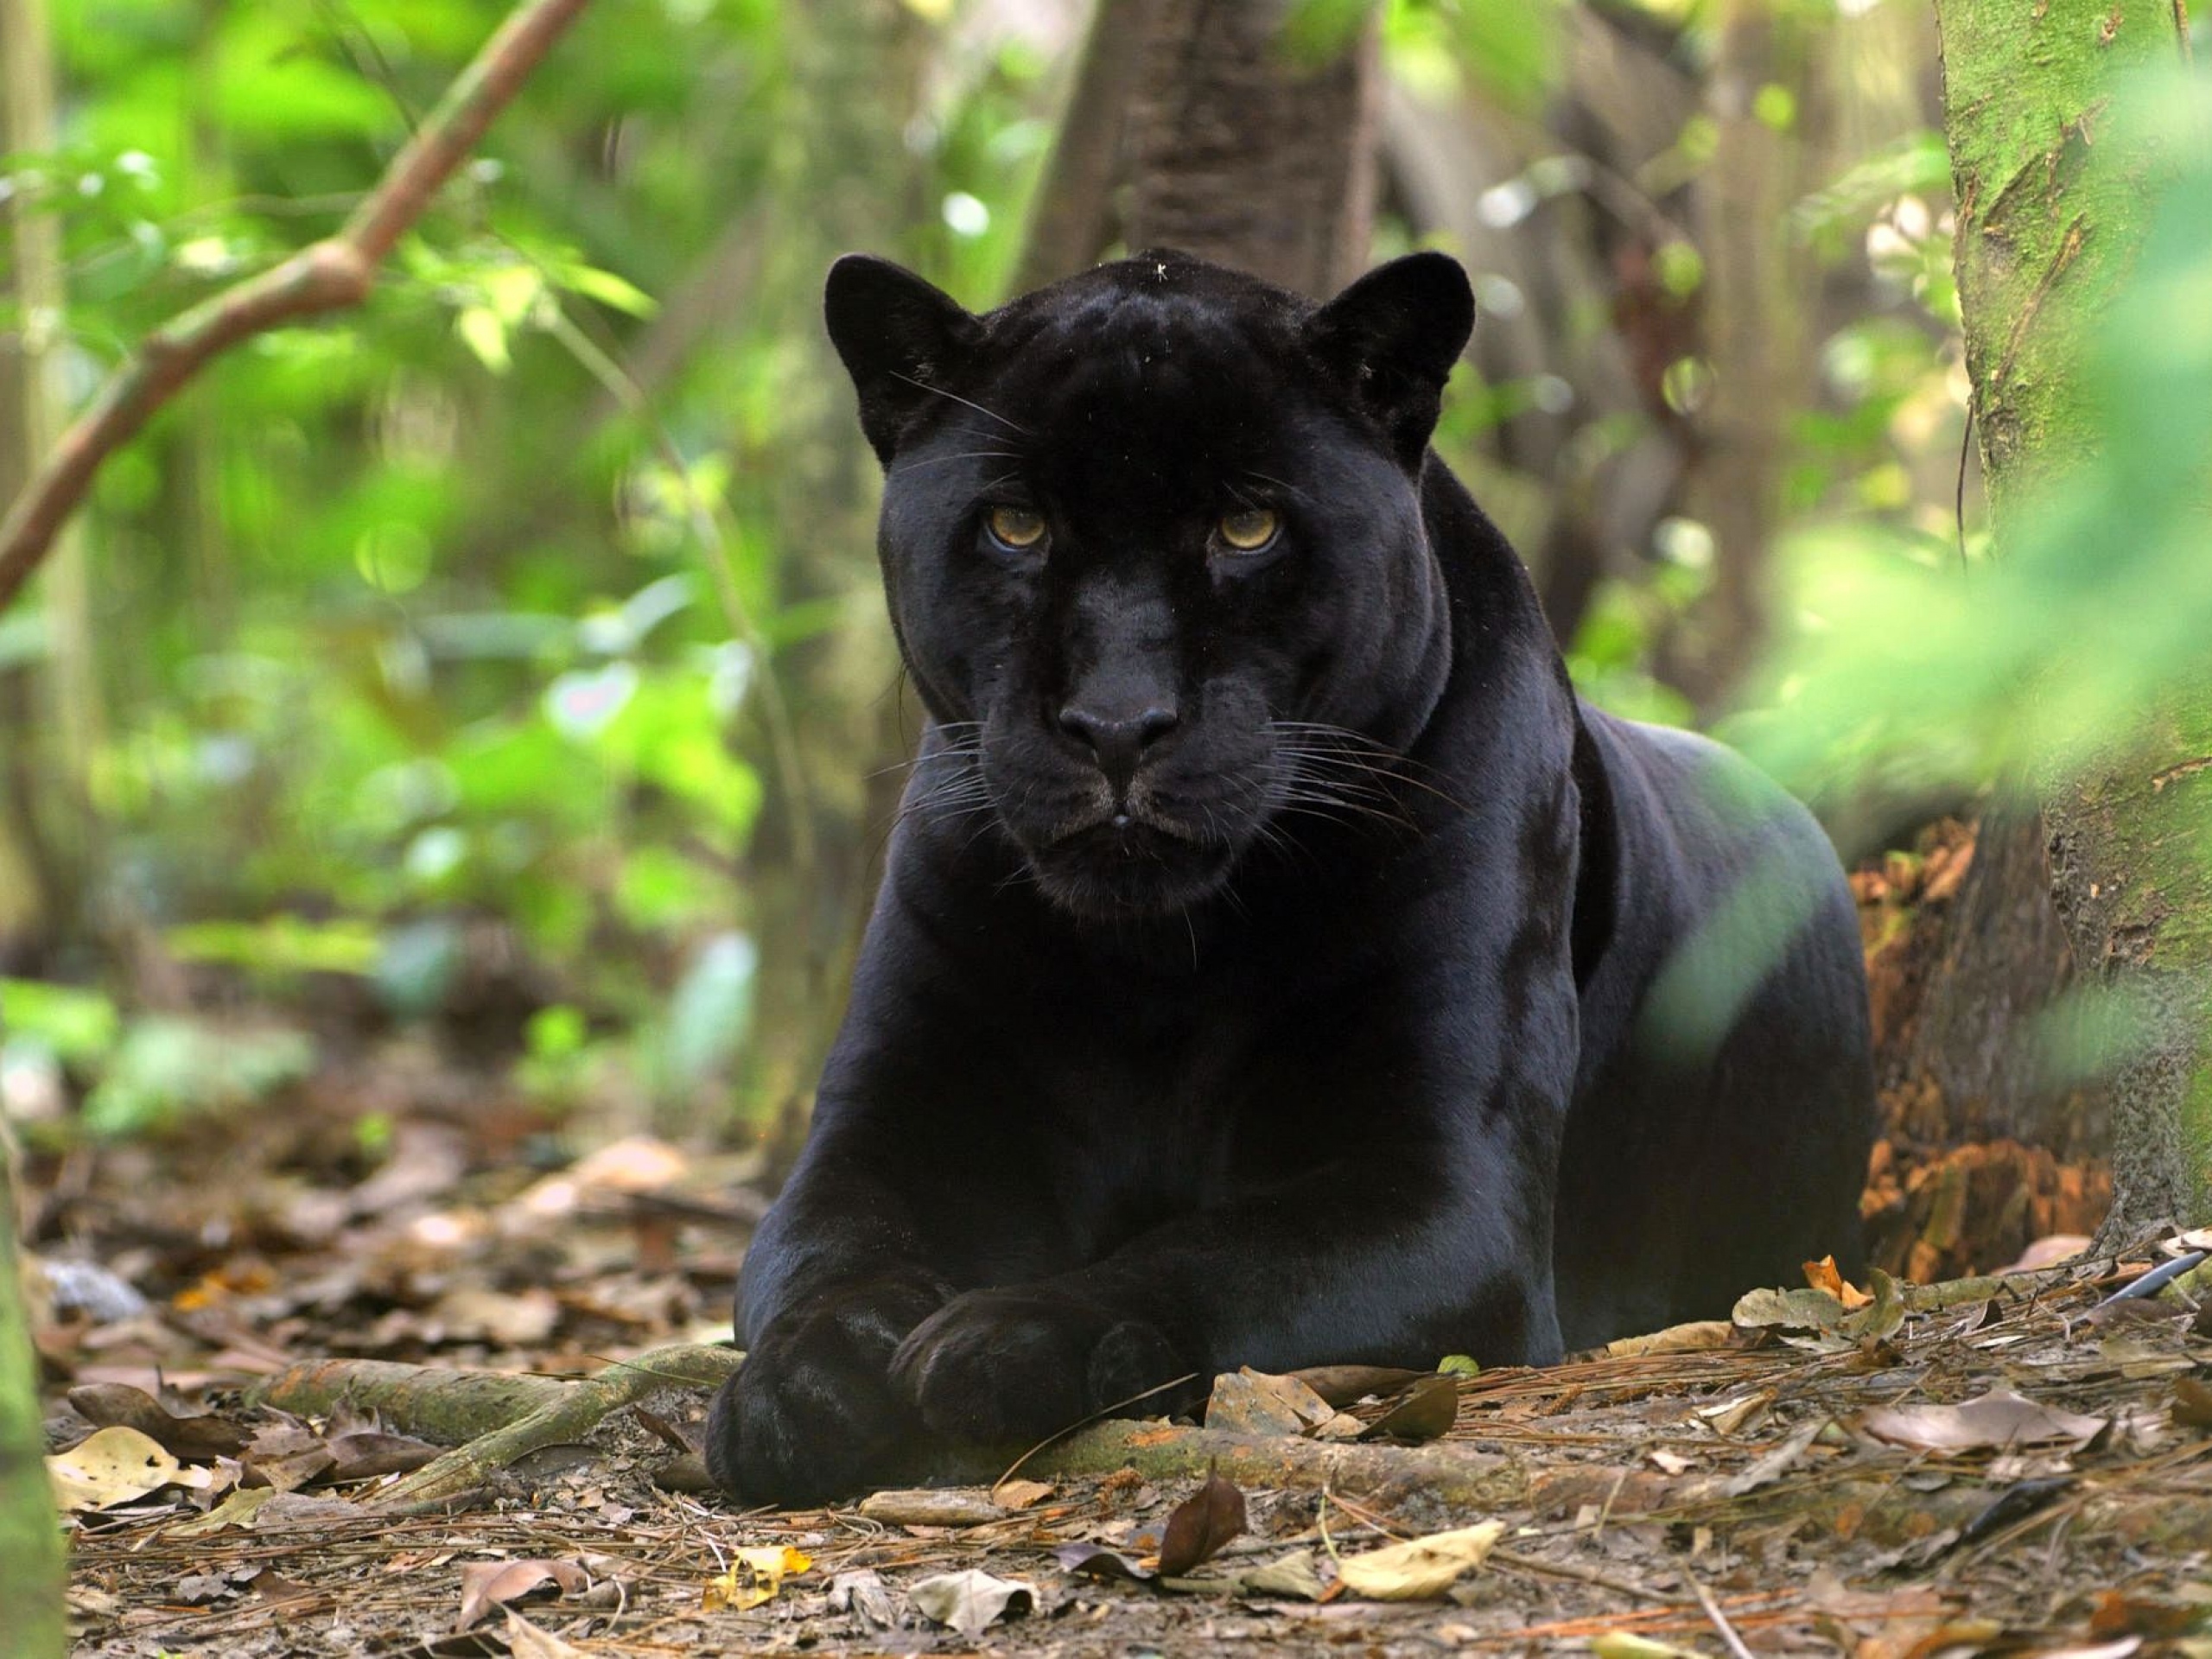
[331,275]
[1720,1619]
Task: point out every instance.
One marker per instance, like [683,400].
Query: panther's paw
[1017,1363]
[812,1413]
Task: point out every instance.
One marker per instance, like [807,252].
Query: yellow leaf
[1626,1644]
[113,1466]
[1423,1568]
[753,1577]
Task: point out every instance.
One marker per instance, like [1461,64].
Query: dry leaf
[1998,1419]
[969,1601]
[864,1595]
[238,1509]
[1421,1568]
[1201,1525]
[1427,1413]
[2192,1407]
[117,1405]
[1697,1336]
[487,1584]
[1788,1310]
[1823,1275]
[1095,1561]
[1254,1402]
[113,1466]
[370,1453]
[933,1507]
[1627,1644]
[1292,1576]
[1020,1494]
[754,1577]
[1341,1384]
[526,1641]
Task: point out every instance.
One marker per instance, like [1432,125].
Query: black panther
[1276,963]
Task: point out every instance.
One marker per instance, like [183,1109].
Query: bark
[1247,156]
[1071,221]
[33,1568]
[2050,220]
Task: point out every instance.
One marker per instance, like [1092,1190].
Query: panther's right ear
[900,339]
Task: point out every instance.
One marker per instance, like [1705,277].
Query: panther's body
[1276,963]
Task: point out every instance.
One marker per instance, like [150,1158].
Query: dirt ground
[1812,1477]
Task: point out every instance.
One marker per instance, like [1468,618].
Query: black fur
[1276,963]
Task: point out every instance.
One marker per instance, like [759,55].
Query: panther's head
[1154,551]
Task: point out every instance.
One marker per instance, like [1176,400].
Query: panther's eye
[1248,529]
[1016,528]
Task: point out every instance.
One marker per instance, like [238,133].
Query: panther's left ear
[1392,338]
[900,339]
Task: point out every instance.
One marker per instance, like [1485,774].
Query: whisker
[923,385]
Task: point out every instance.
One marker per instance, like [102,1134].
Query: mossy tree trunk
[2051,213]
[33,1569]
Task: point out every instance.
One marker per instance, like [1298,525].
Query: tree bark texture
[2052,209]
[1071,220]
[33,1567]
[1245,155]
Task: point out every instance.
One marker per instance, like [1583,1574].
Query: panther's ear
[1392,338]
[899,337]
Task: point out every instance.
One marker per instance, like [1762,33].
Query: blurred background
[477,709]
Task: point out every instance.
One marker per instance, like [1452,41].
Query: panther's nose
[1117,739]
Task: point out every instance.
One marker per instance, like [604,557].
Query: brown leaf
[1340,1385]
[1020,1494]
[1201,1525]
[1824,1276]
[1427,1413]
[1999,1419]
[526,1641]
[1699,1336]
[487,1584]
[2192,1407]
[1247,1402]
[2118,1614]
[368,1454]
[191,1436]
[1095,1561]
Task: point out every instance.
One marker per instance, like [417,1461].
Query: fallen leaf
[287,1511]
[1419,1569]
[196,1589]
[1788,1310]
[864,1596]
[1020,1494]
[933,1507]
[1292,1576]
[236,1510]
[1096,1560]
[1731,1417]
[117,1405]
[1247,1402]
[970,1601]
[1697,1336]
[370,1452]
[1341,1384]
[1878,1315]
[1824,1276]
[526,1641]
[754,1577]
[1427,1413]
[487,1584]
[2116,1613]
[1998,1419]
[1626,1644]
[1765,1470]
[2192,1407]
[1459,1365]
[114,1465]
[1201,1525]
[1973,1634]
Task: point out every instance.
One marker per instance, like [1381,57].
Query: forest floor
[1811,1477]
[2014,1465]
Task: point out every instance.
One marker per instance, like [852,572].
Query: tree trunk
[2051,212]
[33,1568]
[1246,154]
[1071,220]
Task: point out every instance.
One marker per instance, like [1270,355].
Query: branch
[335,274]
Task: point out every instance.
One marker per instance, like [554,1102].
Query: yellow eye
[1248,529]
[1015,527]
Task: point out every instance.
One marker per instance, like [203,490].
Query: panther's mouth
[1130,861]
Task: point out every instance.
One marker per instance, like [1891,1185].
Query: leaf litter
[1892,1471]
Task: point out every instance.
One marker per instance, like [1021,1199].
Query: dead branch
[334,274]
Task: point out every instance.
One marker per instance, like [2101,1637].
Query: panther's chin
[1128,869]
